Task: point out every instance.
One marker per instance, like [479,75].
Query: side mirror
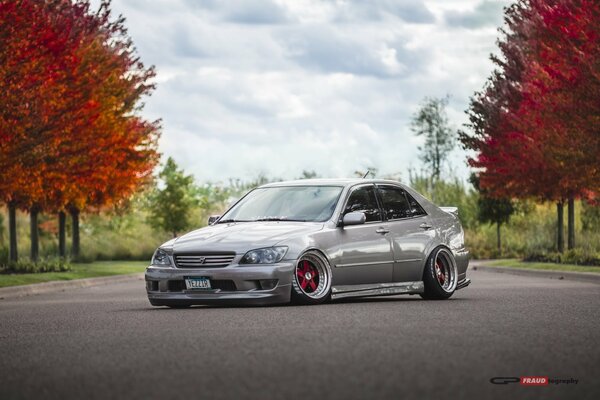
[213,218]
[354,218]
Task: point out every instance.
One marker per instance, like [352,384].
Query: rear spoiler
[450,210]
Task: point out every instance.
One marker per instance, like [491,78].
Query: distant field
[515,263]
[79,271]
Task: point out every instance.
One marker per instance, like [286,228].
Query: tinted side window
[395,204]
[363,200]
[415,208]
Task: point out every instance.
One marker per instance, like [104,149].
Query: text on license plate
[197,283]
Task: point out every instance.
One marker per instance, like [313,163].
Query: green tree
[171,206]
[309,174]
[590,216]
[431,122]
[451,192]
[493,210]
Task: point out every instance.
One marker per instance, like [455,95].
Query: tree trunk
[560,238]
[62,239]
[499,239]
[12,233]
[75,234]
[571,224]
[34,234]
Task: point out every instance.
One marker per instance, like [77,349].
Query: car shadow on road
[350,300]
[376,299]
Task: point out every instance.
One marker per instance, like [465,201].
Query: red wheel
[307,276]
[440,275]
[311,283]
[441,272]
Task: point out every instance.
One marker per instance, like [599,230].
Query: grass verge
[78,271]
[516,263]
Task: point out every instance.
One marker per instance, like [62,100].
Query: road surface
[107,342]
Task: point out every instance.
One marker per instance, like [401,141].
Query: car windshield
[286,203]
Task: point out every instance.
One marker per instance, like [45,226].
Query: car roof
[349,182]
[329,182]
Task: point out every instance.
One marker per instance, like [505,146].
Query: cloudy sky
[276,87]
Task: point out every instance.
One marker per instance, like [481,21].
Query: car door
[410,232]
[366,253]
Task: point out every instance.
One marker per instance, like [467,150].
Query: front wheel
[440,275]
[311,283]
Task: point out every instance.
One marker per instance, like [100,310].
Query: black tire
[316,289]
[440,275]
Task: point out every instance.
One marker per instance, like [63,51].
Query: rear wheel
[311,283]
[440,275]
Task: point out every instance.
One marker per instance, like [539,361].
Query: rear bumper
[461,256]
[234,284]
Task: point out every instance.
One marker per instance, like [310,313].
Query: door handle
[383,231]
[425,226]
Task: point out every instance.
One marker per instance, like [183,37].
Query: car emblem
[201,260]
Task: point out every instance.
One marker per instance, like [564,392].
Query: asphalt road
[107,342]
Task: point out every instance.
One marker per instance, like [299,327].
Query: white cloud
[277,87]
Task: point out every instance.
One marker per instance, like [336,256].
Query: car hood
[241,237]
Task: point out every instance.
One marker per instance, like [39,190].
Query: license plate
[197,283]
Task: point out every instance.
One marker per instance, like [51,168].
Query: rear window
[395,203]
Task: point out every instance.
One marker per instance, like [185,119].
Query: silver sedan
[309,241]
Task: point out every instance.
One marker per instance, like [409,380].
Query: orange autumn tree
[33,54]
[98,149]
[112,149]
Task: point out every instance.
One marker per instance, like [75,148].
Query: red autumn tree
[560,104]
[77,141]
[527,143]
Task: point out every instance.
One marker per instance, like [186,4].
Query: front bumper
[234,284]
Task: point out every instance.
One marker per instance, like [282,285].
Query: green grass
[79,271]
[515,263]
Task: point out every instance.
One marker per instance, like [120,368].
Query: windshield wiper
[225,221]
[279,219]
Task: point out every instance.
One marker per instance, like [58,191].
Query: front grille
[203,260]
[224,284]
[176,286]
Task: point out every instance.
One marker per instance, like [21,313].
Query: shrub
[590,217]
[30,267]
[575,256]
[3,255]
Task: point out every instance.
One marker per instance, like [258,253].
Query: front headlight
[161,257]
[268,255]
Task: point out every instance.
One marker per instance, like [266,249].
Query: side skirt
[377,289]
[463,284]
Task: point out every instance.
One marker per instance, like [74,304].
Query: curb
[59,286]
[589,277]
